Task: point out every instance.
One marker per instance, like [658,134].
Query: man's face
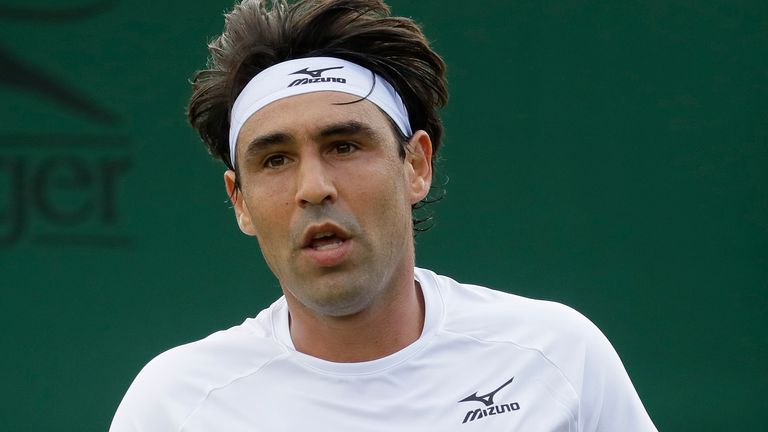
[328,197]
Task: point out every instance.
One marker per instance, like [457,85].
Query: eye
[275,161]
[344,147]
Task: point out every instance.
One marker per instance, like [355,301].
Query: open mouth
[325,241]
[324,237]
[327,245]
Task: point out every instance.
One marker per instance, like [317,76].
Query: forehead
[306,113]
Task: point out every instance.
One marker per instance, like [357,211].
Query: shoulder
[491,314]
[214,359]
[175,382]
[561,335]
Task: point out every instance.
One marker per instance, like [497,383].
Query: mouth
[326,245]
[325,241]
[324,236]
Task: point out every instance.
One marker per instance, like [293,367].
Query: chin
[339,301]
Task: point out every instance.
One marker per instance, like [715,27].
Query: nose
[315,183]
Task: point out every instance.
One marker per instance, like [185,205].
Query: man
[325,113]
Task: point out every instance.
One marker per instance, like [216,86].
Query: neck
[390,324]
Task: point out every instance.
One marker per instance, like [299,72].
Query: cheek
[269,209]
[272,234]
[380,194]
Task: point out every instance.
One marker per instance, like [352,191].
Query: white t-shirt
[486,361]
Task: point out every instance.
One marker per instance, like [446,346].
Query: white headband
[314,74]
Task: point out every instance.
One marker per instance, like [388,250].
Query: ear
[242,214]
[418,162]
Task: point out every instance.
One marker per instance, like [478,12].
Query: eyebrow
[347,128]
[352,127]
[263,142]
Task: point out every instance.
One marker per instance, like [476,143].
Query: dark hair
[256,37]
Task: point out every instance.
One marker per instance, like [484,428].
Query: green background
[612,156]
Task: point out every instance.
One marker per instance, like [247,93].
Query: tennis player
[325,115]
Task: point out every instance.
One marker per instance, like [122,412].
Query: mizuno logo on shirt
[490,409]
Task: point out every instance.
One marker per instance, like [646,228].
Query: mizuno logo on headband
[317,73]
[316,76]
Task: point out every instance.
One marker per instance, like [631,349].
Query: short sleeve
[608,400]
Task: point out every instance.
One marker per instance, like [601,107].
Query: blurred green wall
[609,155]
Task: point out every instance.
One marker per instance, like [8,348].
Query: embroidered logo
[317,73]
[316,76]
[490,408]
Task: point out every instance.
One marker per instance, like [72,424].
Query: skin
[310,165]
